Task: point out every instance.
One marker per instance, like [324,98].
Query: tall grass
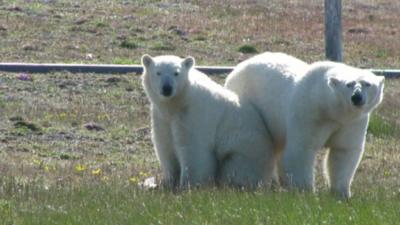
[380,127]
[116,203]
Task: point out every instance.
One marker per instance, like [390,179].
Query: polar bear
[309,107]
[201,132]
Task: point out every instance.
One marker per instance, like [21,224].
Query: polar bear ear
[188,62]
[381,82]
[147,60]
[333,82]
[382,79]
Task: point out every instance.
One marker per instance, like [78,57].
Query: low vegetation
[76,148]
[211,31]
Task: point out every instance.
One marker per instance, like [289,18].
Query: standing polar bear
[308,107]
[201,132]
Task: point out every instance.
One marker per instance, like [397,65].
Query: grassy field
[116,204]
[120,31]
[74,148]
[57,168]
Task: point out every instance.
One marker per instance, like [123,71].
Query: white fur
[202,133]
[308,107]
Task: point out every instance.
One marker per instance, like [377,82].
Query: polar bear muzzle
[166,90]
[357,98]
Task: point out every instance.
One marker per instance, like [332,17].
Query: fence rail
[110,68]
[94,68]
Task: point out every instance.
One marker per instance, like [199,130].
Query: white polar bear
[308,107]
[201,132]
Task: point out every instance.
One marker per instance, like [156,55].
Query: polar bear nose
[166,90]
[357,99]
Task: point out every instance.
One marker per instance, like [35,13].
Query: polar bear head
[358,88]
[165,77]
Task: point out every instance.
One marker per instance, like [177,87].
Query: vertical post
[333,30]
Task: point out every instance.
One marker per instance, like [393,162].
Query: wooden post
[333,30]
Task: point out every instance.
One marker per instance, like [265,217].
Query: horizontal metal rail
[388,73]
[111,68]
[93,68]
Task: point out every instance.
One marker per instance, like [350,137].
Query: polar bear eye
[367,84]
[158,73]
[176,74]
[351,84]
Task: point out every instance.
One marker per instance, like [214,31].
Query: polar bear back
[201,83]
[276,72]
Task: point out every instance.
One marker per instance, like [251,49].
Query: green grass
[125,61]
[382,53]
[116,203]
[55,171]
[163,46]
[380,127]
[129,44]
[249,49]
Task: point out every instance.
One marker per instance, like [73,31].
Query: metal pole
[333,30]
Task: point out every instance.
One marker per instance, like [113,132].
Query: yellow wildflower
[134,180]
[80,168]
[62,115]
[96,172]
[143,174]
[37,162]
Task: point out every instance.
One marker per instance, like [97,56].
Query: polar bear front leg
[166,153]
[305,136]
[342,164]
[346,150]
